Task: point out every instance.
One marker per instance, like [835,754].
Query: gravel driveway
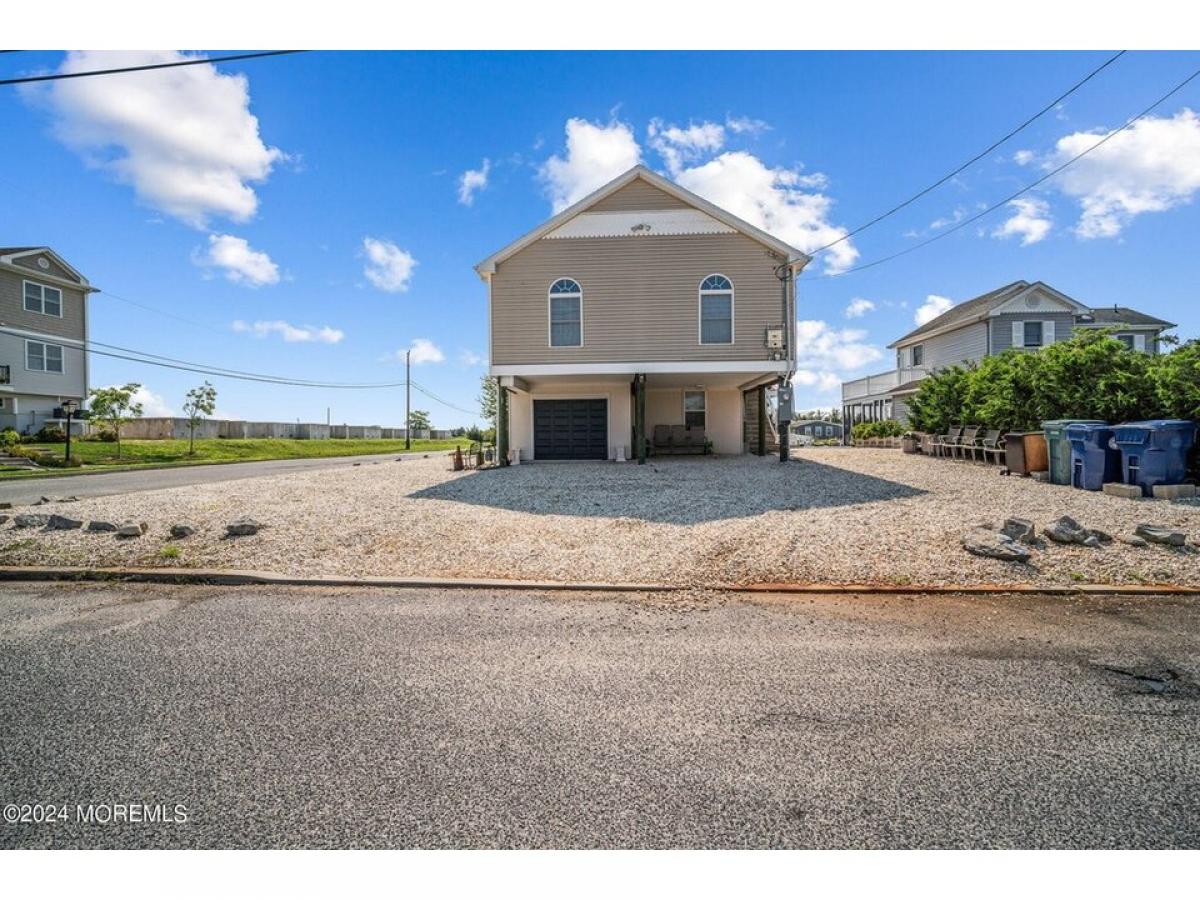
[834,515]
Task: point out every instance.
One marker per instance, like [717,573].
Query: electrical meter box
[774,338]
[784,401]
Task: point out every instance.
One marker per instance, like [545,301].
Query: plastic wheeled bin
[1060,448]
[1094,462]
[1154,452]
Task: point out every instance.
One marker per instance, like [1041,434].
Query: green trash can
[1059,446]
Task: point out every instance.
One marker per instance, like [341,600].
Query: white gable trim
[8,260]
[794,257]
[1055,301]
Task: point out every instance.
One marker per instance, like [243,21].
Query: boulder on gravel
[1158,534]
[6,505]
[132,529]
[31,520]
[242,528]
[1065,530]
[182,530]
[1134,541]
[100,525]
[3,519]
[64,523]
[1021,530]
[994,545]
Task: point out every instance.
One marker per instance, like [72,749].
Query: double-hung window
[918,355]
[1033,334]
[41,357]
[566,313]
[716,310]
[693,409]
[40,298]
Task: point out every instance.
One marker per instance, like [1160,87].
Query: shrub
[1176,380]
[28,452]
[1000,393]
[50,434]
[54,461]
[9,438]
[938,404]
[1094,376]
[107,435]
[884,428]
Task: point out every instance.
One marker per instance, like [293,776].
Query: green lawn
[101,456]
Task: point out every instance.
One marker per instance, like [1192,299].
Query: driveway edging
[248,577]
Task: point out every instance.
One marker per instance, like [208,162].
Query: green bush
[884,428]
[53,460]
[9,438]
[938,404]
[50,434]
[1176,378]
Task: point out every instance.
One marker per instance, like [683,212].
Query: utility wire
[974,159]
[965,222]
[437,399]
[161,312]
[59,76]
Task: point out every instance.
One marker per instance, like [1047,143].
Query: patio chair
[991,447]
[943,442]
[965,442]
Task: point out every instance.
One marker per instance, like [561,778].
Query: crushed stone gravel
[832,515]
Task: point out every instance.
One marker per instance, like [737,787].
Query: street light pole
[69,408]
[407,400]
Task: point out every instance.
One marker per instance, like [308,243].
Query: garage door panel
[570,429]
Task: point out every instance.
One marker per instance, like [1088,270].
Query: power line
[974,159]
[437,399]
[963,224]
[59,76]
[161,312]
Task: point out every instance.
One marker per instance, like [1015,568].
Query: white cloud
[240,262]
[470,359]
[823,382]
[423,351]
[1152,167]
[472,181]
[388,267]
[183,138]
[596,154]
[774,200]
[1030,221]
[153,405]
[858,308]
[933,307]
[820,347]
[746,125]
[1024,157]
[678,145]
[292,334]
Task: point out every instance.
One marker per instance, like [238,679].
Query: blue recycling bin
[1094,462]
[1154,452]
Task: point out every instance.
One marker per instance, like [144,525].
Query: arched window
[716,310]
[566,313]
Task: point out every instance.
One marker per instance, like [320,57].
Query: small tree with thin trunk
[197,406]
[420,420]
[114,406]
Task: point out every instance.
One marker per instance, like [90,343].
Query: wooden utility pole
[407,400]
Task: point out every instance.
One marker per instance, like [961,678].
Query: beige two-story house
[1022,315]
[43,330]
[641,306]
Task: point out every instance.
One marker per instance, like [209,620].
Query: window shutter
[1047,332]
[1018,334]
[1139,343]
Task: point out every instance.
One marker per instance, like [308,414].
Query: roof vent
[43,263]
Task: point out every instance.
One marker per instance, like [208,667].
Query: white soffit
[639,224]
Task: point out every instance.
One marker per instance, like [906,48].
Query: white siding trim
[649,368]
[639,223]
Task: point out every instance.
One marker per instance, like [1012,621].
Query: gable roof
[1102,316]
[795,258]
[974,310]
[8,254]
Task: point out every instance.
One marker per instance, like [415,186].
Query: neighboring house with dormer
[1024,315]
[43,330]
[641,315]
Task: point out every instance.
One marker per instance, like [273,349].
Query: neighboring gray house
[817,429]
[1022,315]
[642,305]
[43,329]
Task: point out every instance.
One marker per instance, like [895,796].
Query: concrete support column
[639,417]
[762,420]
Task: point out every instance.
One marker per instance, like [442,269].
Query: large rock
[1158,534]
[31,520]
[242,528]
[1065,530]
[64,523]
[994,545]
[132,529]
[100,525]
[182,530]
[1020,530]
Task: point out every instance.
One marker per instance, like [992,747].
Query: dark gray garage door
[570,429]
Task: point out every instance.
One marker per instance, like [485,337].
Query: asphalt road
[19,491]
[356,718]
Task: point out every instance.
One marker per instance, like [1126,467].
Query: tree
[419,420]
[1094,376]
[487,398]
[199,404]
[114,406]
[938,404]
[1176,377]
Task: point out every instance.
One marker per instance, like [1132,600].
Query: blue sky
[330,233]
